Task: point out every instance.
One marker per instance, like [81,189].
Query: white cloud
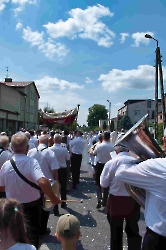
[139,37]
[3,4]
[21,4]
[123,37]
[88,80]
[50,84]
[84,24]
[119,104]
[140,78]
[61,101]
[49,48]
[18,26]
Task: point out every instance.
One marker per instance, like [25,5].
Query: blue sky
[83,52]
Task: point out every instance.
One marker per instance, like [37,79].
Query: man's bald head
[43,139]
[19,143]
[57,138]
[4,141]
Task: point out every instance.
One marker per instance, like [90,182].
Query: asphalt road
[95,232]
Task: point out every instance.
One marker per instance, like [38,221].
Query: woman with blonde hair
[13,226]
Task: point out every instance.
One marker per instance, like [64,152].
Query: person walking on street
[63,158]
[12,180]
[102,152]
[76,148]
[121,206]
[49,166]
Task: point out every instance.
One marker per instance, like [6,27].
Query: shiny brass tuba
[140,142]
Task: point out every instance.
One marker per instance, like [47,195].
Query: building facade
[18,106]
[136,109]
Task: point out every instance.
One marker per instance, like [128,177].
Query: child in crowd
[68,231]
[12,226]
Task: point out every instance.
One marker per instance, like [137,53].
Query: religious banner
[66,117]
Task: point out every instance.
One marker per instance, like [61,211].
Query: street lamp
[109,113]
[158,67]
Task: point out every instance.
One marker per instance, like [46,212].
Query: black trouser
[32,213]
[153,241]
[76,167]
[62,177]
[44,221]
[99,169]
[2,195]
[118,209]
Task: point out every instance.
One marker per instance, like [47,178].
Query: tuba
[141,143]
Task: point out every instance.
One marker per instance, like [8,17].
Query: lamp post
[109,113]
[158,67]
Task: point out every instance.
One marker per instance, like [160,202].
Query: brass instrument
[139,141]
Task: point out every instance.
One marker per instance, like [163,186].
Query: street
[95,232]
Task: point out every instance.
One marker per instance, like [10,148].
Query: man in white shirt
[49,166]
[102,152]
[151,176]
[63,158]
[76,148]
[23,192]
[33,139]
[120,204]
[4,155]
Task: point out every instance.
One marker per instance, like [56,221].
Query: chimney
[8,79]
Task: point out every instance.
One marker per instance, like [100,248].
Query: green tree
[96,112]
[48,109]
[125,123]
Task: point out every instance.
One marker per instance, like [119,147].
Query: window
[137,112]
[161,117]
[27,108]
[149,104]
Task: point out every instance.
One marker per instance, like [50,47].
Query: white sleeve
[105,176]
[36,171]
[137,175]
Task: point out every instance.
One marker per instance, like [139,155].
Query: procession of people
[31,163]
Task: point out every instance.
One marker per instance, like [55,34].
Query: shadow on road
[86,220]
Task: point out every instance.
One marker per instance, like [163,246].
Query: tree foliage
[96,112]
[48,109]
[125,123]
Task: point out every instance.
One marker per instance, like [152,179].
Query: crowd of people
[31,163]
[111,173]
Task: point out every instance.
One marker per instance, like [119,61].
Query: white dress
[21,246]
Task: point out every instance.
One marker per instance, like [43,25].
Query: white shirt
[113,137]
[21,246]
[34,141]
[77,145]
[4,156]
[46,158]
[151,176]
[31,145]
[62,154]
[16,187]
[102,152]
[107,178]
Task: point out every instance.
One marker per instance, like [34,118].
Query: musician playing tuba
[151,176]
[120,204]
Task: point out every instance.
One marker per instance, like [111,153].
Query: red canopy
[66,117]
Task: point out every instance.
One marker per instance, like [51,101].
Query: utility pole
[158,69]
[109,114]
